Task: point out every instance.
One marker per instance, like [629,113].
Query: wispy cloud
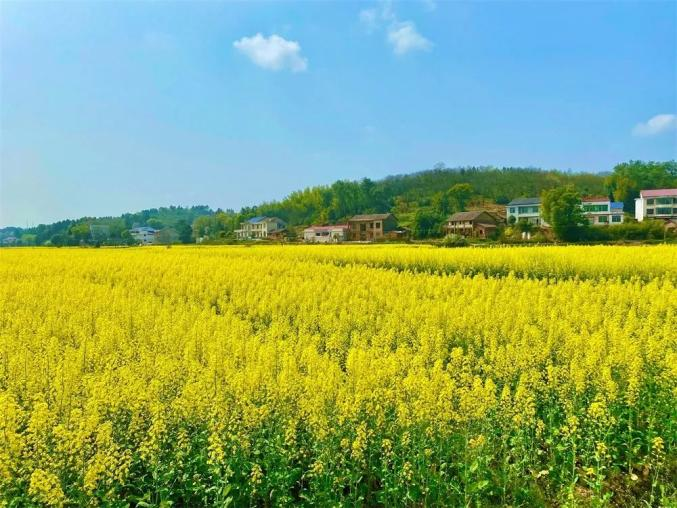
[404,38]
[273,53]
[656,125]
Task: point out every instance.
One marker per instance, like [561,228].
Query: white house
[260,227]
[601,211]
[144,235]
[326,234]
[528,209]
[656,204]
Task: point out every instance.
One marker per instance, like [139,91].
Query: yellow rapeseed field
[338,375]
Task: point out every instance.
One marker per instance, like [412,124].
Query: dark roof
[525,201]
[371,216]
[465,216]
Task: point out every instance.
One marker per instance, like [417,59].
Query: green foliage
[562,210]
[631,231]
[427,224]
[630,177]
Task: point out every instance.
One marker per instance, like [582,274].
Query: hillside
[419,200]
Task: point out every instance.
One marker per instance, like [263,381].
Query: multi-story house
[477,223]
[601,211]
[326,234]
[656,204]
[367,228]
[144,235]
[527,209]
[259,228]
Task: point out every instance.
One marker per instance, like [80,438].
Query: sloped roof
[656,193]
[525,201]
[590,199]
[465,216]
[371,216]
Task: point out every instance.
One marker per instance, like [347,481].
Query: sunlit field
[338,375]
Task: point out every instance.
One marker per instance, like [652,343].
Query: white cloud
[405,38]
[369,18]
[273,53]
[656,125]
[402,35]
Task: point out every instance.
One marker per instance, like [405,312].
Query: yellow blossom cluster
[370,374]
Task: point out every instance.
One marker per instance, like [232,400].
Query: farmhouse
[370,227]
[525,209]
[326,234]
[601,211]
[144,235]
[260,227]
[477,224]
[656,204]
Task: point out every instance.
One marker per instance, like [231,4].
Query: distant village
[478,224]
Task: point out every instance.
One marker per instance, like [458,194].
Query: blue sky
[107,107]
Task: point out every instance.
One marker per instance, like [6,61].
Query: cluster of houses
[360,228]
[600,211]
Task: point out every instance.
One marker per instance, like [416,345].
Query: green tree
[459,195]
[184,231]
[562,210]
[631,177]
[427,224]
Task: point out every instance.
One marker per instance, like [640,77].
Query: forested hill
[440,190]
[419,200]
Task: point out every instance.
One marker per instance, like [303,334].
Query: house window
[377,225]
[512,209]
[649,211]
[363,227]
[596,208]
[615,218]
[603,219]
[662,210]
[664,201]
[649,201]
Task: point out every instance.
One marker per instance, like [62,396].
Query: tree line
[421,201]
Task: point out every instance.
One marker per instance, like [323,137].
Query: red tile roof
[655,193]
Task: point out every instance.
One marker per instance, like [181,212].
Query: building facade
[601,211]
[260,228]
[144,235]
[476,224]
[326,234]
[370,227]
[656,204]
[526,209]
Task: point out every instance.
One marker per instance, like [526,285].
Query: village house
[370,227]
[476,224]
[260,227]
[144,235]
[656,204]
[525,209]
[601,211]
[326,234]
